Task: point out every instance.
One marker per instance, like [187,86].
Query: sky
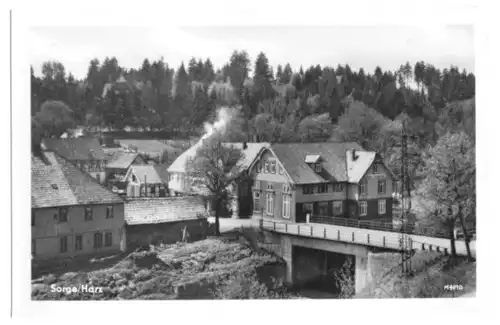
[387,46]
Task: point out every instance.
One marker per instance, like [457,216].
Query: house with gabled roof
[84,152]
[147,181]
[72,214]
[324,180]
[118,167]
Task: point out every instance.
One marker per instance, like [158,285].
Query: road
[228,224]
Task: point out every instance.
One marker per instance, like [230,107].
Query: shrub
[240,286]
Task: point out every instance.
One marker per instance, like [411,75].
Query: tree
[262,88]
[315,128]
[238,70]
[360,124]
[216,167]
[208,72]
[192,69]
[286,76]
[419,73]
[450,183]
[54,118]
[279,72]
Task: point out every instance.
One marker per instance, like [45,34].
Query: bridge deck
[369,237]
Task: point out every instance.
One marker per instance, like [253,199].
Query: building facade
[323,180]
[72,215]
[147,181]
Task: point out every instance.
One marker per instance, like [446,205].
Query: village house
[180,183]
[71,214]
[147,181]
[118,167]
[83,152]
[165,220]
[324,180]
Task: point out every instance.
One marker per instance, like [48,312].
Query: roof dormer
[314,161]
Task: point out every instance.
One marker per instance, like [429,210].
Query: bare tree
[215,169]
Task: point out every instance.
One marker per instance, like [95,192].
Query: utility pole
[405,241]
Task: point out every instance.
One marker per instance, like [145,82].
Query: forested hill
[289,104]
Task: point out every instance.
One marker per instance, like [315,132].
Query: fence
[384,225]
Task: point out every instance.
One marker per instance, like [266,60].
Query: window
[307,208]
[381,186]
[381,207]
[78,243]
[323,208]
[97,240]
[307,189]
[280,169]
[375,169]
[32,217]
[287,198]
[98,178]
[270,204]
[259,167]
[337,208]
[395,186]
[318,168]
[286,188]
[322,188]
[273,167]
[362,187]
[108,239]
[63,244]
[338,187]
[256,201]
[88,213]
[266,167]
[363,208]
[257,185]
[270,187]
[109,212]
[63,215]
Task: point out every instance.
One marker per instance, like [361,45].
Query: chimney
[245,146]
[354,156]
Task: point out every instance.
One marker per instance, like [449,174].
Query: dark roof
[333,156]
[60,183]
[81,148]
[162,210]
[161,170]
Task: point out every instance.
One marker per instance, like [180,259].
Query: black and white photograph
[227,161]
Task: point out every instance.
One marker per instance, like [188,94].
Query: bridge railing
[389,240]
[383,225]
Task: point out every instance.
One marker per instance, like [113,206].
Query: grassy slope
[194,268]
[432,272]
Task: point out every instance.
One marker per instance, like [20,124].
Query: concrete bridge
[310,249]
